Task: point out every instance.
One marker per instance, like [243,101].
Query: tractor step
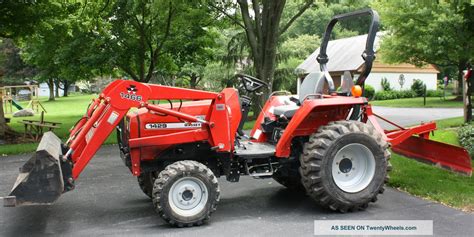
[251,150]
[260,171]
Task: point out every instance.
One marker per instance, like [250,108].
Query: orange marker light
[356,91]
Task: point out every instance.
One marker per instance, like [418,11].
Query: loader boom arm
[105,112]
[54,167]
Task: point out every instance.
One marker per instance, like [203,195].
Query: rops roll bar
[368,55]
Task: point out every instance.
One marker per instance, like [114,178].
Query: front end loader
[177,141]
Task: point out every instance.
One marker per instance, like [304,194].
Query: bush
[466,138]
[391,95]
[385,95]
[385,84]
[406,94]
[418,87]
[369,92]
[434,93]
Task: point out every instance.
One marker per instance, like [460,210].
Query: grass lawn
[66,110]
[431,102]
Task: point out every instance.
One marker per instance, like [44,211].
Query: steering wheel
[251,84]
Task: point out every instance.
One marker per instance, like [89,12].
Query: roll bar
[368,55]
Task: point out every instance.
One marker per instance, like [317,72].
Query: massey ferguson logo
[131,94]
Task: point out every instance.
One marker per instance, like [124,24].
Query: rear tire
[289,176]
[186,193]
[344,165]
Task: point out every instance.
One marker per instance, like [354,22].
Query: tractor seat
[286,110]
[308,87]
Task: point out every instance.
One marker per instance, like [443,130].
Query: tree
[42,49]
[315,20]
[140,37]
[13,69]
[300,46]
[261,21]
[427,32]
[192,56]
[20,18]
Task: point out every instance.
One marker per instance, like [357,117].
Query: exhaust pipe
[44,177]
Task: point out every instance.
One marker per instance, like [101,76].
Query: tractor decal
[131,94]
[172,125]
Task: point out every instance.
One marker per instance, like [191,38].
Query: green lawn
[431,102]
[66,110]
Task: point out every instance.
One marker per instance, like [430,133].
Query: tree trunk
[463,89]
[56,88]
[459,90]
[263,35]
[3,123]
[173,80]
[467,101]
[66,88]
[50,83]
[194,80]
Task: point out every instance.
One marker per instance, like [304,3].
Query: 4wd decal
[131,94]
[172,125]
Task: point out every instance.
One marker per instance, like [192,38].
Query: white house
[43,89]
[345,57]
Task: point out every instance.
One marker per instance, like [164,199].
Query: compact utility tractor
[324,142]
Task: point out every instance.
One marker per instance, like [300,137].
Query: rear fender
[312,115]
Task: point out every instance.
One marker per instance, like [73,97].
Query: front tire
[146,181]
[344,165]
[186,193]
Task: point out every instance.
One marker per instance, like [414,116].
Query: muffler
[44,177]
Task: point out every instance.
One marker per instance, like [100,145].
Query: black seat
[286,110]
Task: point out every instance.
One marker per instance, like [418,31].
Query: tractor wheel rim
[188,196]
[353,168]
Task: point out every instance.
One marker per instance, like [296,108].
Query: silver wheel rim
[353,168]
[188,196]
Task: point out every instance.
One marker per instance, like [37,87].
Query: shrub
[434,93]
[466,138]
[391,95]
[418,87]
[369,92]
[385,84]
[385,95]
[406,94]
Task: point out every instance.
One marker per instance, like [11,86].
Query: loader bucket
[443,155]
[42,178]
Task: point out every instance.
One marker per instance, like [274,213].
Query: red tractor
[324,142]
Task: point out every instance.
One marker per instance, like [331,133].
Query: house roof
[344,55]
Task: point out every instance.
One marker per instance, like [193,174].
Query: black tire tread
[181,167]
[145,182]
[292,182]
[314,152]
